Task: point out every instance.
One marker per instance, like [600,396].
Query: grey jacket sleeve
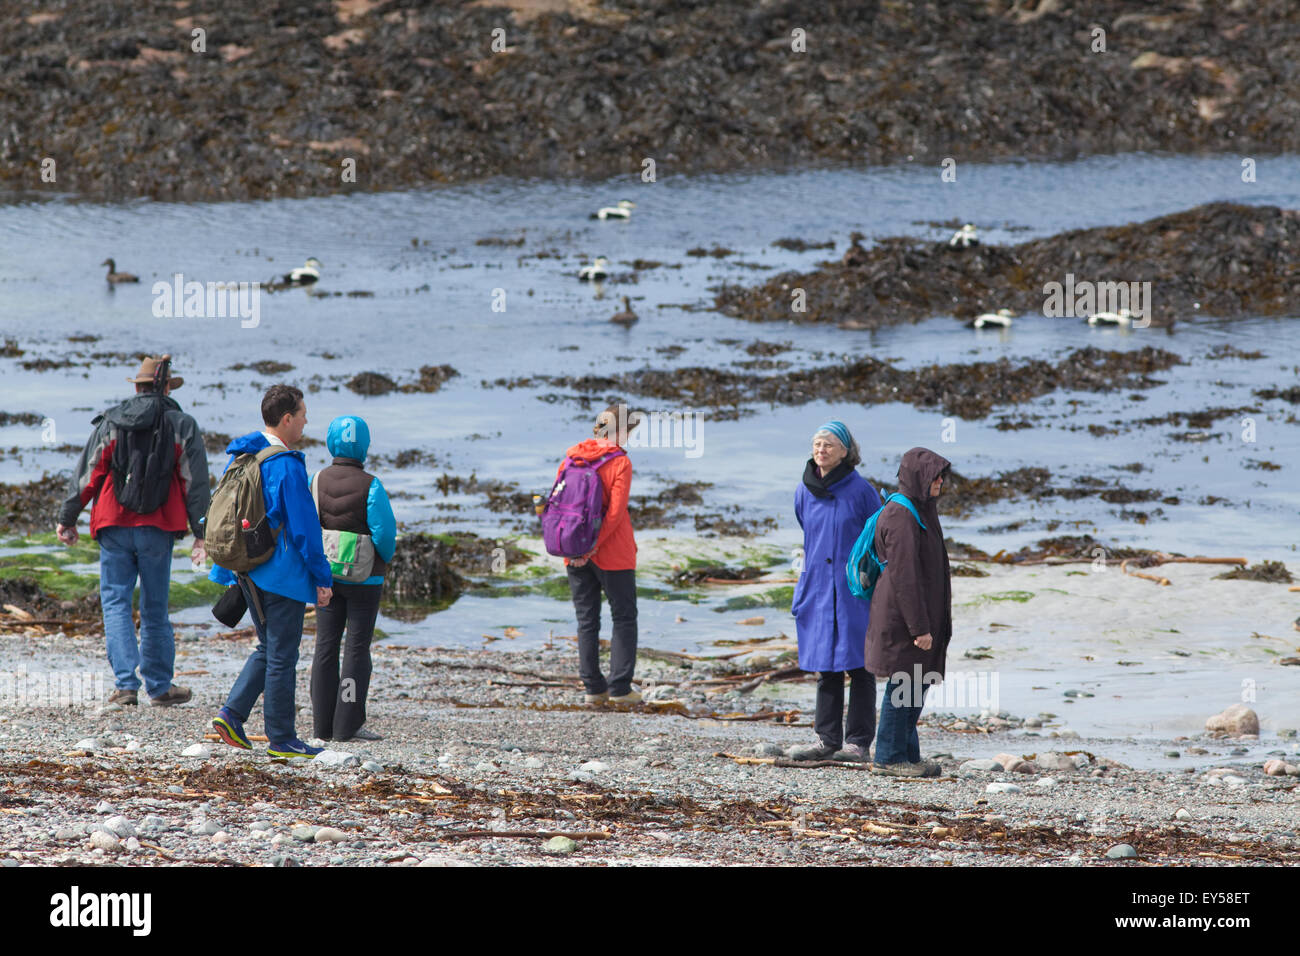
[84,484]
[193,465]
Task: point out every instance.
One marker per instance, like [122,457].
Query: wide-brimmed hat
[149,368]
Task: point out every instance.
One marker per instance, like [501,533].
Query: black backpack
[145,457]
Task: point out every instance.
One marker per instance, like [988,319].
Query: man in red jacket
[610,567]
[128,462]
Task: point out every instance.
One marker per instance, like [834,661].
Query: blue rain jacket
[830,622]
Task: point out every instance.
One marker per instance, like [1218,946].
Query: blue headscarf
[840,431]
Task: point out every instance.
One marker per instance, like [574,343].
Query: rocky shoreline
[489,758]
[130,101]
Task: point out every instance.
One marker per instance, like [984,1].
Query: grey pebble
[284,860]
[1121,851]
[304,834]
[372,766]
[559,846]
[206,828]
[261,825]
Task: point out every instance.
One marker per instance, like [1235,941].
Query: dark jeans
[862,708]
[269,669]
[896,742]
[586,584]
[338,708]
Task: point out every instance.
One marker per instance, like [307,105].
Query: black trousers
[338,706]
[586,584]
[861,724]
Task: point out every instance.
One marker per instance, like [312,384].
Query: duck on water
[595,271]
[987,320]
[114,277]
[625,318]
[1123,318]
[622,211]
[965,237]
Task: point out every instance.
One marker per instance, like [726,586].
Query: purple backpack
[575,508]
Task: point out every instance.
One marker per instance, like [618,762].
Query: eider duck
[114,276]
[1122,318]
[1001,319]
[595,271]
[626,317]
[855,255]
[965,237]
[622,211]
[305,274]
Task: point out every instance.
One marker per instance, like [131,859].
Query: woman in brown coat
[911,612]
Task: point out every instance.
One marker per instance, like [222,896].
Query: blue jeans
[126,554]
[896,740]
[269,670]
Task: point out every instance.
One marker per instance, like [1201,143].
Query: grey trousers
[586,584]
[338,701]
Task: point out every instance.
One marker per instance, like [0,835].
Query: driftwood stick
[526,834]
[1123,566]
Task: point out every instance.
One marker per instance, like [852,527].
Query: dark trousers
[586,584]
[338,707]
[861,724]
[269,671]
[900,709]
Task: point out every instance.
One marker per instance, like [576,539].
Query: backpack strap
[906,502]
[604,458]
[315,495]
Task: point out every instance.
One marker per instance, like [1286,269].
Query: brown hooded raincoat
[914,594]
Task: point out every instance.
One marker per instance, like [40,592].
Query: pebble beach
[490,757]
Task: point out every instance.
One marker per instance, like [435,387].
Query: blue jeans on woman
[896,739]
[126,554]
[270,669]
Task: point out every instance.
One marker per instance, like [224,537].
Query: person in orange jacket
[609,567]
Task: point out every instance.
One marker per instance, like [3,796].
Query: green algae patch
[773,597]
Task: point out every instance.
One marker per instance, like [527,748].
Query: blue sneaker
[231,729]
[293,748]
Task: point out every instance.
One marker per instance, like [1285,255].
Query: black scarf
[819,485]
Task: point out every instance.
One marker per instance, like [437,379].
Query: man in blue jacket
[297,574]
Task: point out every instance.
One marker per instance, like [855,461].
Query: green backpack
[351,555]
[237,533]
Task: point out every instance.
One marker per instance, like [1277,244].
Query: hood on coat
[919,468]
[249,444]
[348,437]
[138,410]
[591,449]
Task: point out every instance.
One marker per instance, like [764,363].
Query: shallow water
[432,304]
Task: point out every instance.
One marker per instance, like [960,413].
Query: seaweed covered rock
[1221,259]
[415,94]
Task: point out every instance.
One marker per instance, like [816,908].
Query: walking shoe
[231,729]
[292,748]
[818,751]
[924,768]
[852,753]
[176,694]
[363,734]
[124,696]
[601,698]
[631,697]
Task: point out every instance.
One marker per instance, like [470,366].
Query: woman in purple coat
[832,504]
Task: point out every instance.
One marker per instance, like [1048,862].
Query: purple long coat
[831,623]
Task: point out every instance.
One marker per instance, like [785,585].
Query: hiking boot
[292,748]
[231,729]
[818,751]
[601,698]
[631,697]
[852,753]
[923,768]
[176,694]
[124,696]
